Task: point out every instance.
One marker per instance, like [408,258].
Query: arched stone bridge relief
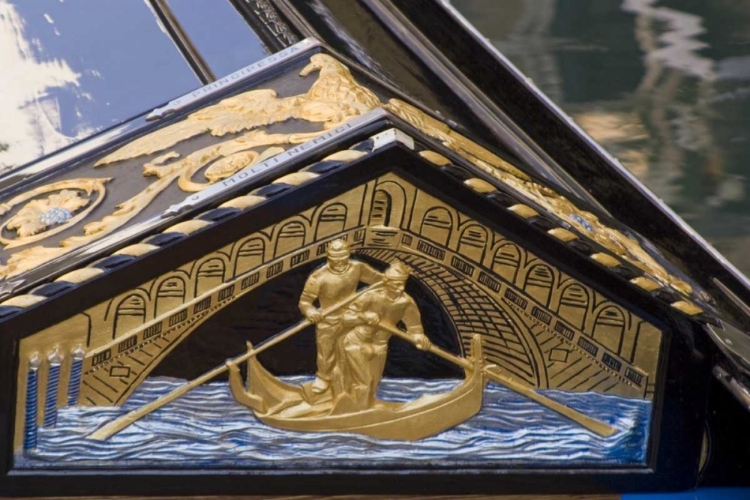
[541,325]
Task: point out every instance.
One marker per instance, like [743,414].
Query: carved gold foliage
[228,158]
[450,138]
[38,215]
[224,159]
[30,258]
[334,97]
[229,165]
[166,168]
[67,203]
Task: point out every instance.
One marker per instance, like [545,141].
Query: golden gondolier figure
[330,284]
[365,345]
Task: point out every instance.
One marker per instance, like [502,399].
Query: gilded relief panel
[528,339]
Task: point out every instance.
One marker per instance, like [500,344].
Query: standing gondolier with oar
[335,281]
[365,345]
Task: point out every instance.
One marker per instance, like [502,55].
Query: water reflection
[30,115]
[72,67]
[663,84]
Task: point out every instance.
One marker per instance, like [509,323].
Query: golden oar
[120,423]
[494,373]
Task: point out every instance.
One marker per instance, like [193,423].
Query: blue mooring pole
[53,384]
[74,382]
[32,393]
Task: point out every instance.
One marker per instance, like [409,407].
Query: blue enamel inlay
[586,224]
[206,427]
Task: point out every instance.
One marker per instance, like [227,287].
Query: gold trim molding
[333,98]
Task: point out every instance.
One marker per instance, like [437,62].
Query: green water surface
[664,85]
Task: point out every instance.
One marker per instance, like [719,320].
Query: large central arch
[473,311]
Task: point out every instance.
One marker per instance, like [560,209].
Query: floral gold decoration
[333,98]
[38,215]
[68,202]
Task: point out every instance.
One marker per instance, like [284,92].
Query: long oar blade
[124,421]
[131,417]
[495,374]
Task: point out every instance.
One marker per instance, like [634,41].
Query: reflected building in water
[658,83]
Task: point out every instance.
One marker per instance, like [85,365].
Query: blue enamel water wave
[208,428]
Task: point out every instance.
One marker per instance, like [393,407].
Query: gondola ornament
[301,265]
[358,351]
[504,339]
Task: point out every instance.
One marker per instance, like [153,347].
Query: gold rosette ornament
[66,203]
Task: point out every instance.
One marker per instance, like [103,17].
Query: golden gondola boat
[290,407]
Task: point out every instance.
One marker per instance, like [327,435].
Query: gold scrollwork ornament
[333,97]
[67,203]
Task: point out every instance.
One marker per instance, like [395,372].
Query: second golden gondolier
[369,321]
[328,285]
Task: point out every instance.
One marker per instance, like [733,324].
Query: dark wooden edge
[276,33]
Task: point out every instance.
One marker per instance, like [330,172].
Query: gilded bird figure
[334,97]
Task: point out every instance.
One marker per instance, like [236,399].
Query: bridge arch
[169,292]
[250,253]
[472,241]
[539,281]
[508,258]
[388,205]
[609,327]
[573,302]
[437,225]
[209,273]
[293,234]
[331,219]
[520,332]
[130,313]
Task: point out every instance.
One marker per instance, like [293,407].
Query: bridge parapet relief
[522,335]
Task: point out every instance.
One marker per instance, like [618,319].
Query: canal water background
[207,422]
[664,85]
